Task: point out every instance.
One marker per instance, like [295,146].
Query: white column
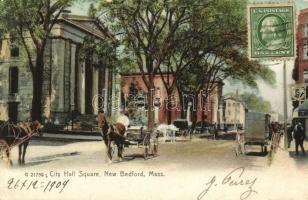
[82,88]
[72,77]
[156,114]
[113,112]
[95,88]
[106,89]
[188,116]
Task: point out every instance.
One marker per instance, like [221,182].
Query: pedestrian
[289,132]
[299,136]
[215,131]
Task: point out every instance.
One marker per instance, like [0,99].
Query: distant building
[233,111]
[69,83]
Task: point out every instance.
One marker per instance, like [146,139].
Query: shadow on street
[47,159]
[300,159]
[253,153]
[50,143]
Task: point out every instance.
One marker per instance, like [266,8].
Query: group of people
[298,135]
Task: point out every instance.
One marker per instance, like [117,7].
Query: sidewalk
[287,158]
[67,137]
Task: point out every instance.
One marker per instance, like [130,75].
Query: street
[195,154]
[180,171]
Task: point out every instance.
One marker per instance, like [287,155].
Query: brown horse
[113,133]
[20,134]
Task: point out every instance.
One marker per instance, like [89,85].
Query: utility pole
[236,109]
[285,105]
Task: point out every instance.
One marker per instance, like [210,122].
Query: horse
[19,134]
[113,132]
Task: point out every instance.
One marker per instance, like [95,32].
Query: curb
[67,138]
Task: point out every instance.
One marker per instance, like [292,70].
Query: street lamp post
[285,105]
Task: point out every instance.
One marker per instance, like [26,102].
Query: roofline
[69,20]
[139,74]
[79,27]
[97,21]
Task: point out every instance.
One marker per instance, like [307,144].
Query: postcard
[153,100]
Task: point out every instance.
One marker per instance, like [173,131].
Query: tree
[148,30]
[220,29]
[256,103]
[30,23]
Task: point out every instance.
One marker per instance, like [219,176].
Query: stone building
[70,84]
[233,111]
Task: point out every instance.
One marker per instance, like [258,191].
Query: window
[14,51]
[13,80]
[305,56]
[306,30]
[306,76]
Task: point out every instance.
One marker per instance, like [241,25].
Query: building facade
[234,111]
[70,84]
[300,73]
[133,82]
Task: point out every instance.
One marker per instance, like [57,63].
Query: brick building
[134,80]
[300,73]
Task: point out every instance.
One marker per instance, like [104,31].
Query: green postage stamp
[271,31]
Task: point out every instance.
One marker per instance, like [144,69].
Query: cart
[145,140]
[256,132]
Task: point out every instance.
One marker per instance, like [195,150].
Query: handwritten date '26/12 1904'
[38,185]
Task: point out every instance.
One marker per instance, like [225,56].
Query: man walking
[289,132]
[299,136]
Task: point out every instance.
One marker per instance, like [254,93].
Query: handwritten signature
[233,179]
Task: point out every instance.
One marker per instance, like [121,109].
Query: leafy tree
[256,103]
[148,29]
[30,23]
[221,40]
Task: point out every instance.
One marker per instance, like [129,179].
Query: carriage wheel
[147,145]
[155,148]
[112,150]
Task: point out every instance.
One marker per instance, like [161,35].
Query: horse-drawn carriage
[12,135]
[117,137]
[258,131]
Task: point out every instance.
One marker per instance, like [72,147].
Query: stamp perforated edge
[269,4]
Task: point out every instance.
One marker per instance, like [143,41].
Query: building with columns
[70,84]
